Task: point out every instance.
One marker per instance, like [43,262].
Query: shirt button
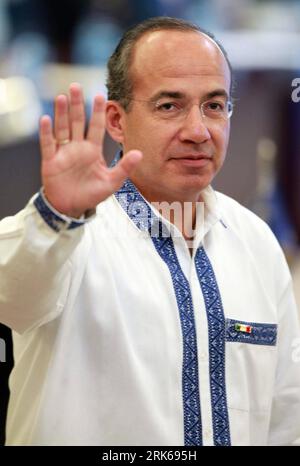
[203,356]
[207,434]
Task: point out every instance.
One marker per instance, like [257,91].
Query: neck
[183,216]
[179,210]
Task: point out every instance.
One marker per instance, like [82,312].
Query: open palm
[74,172]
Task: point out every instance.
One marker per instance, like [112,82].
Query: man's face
[173,74]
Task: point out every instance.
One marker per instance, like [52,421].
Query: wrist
[56,219]
[70,214]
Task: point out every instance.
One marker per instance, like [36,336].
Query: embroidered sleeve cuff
[56,220]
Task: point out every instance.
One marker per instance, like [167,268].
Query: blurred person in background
[45,21]
[132,325]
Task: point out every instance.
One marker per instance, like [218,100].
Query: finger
[77,114]
[123,168]
[61,118]
[47,141]
[96,128]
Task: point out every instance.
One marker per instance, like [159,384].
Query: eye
[215,106]
[167,107]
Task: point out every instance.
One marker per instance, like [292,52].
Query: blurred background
[46,44]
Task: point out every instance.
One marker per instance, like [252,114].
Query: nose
[193,128]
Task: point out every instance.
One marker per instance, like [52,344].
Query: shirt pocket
[251,332]
[251,358]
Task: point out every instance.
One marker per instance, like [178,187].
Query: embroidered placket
[216,335]
[144,218]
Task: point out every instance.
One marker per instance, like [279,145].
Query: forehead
[178,58]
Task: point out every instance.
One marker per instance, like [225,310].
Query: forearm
[35,270]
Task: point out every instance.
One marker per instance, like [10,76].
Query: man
[136,325]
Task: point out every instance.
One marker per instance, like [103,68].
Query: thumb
[124,167]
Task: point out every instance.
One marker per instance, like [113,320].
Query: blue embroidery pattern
[216,331]
[261,333]
[53,221]
[143,217]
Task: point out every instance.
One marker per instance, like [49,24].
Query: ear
[115,120]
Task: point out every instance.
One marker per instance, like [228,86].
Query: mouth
[193,160]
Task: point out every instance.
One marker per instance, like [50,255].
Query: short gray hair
[119,82]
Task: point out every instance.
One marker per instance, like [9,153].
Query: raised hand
[74,172]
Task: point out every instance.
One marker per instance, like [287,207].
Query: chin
[189,192]
[197,182]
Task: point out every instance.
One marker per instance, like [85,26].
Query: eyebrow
[217,93]
[169,94]
[181,95]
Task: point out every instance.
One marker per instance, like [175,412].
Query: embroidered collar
[147,218]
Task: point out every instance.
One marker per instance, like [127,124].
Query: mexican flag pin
[243,328]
